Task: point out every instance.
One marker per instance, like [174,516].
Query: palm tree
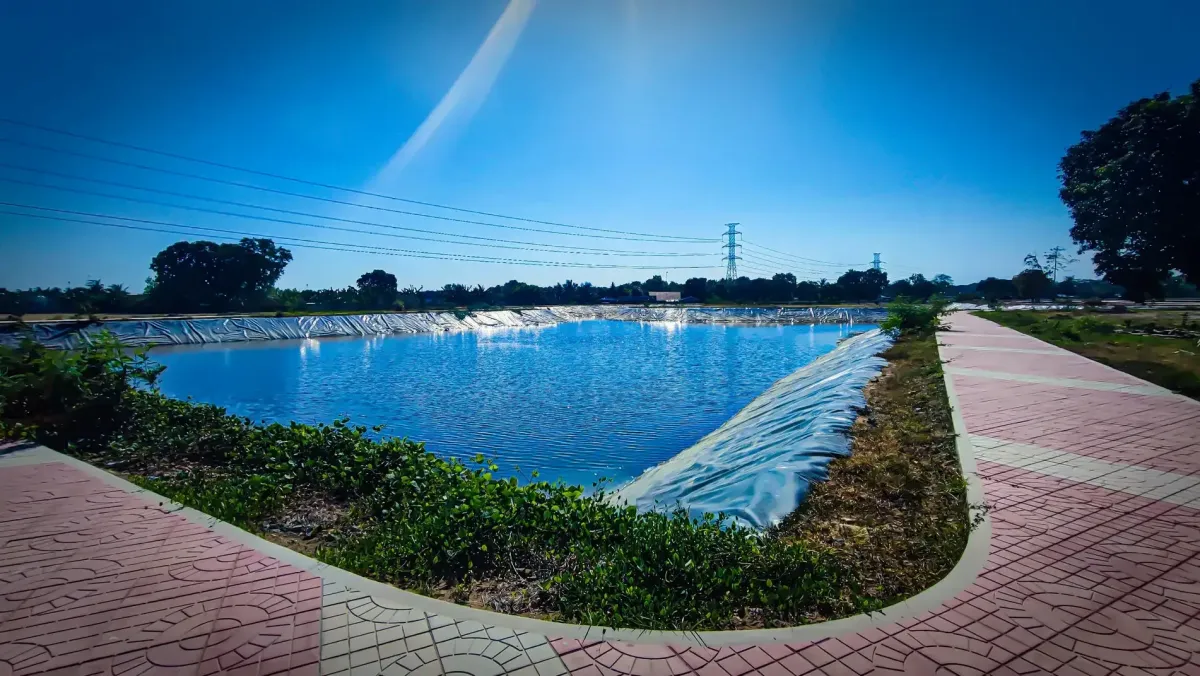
[116,297]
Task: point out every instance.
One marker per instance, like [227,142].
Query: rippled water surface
[576,401]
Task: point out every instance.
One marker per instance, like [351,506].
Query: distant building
[665,296]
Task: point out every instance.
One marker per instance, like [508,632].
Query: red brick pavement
[96,580]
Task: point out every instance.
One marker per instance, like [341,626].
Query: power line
[331,200]
[317,184]
[795,267]
[182,229]
[787,265]
[491,241]
[813,261]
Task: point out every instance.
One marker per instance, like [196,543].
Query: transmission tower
[877,264]
[731,257]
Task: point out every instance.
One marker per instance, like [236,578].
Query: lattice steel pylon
[877,264]
[731,257]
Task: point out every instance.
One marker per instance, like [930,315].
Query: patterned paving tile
[96,580]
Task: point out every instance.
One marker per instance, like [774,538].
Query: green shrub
[64,396]
[908,318]
[1085,325]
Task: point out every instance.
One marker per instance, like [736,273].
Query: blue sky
[928,131]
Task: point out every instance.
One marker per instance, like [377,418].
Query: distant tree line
[202,277]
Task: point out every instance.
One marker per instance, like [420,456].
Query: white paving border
[1146,389]
[1179,489]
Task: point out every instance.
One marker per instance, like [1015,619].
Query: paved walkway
[1089,565]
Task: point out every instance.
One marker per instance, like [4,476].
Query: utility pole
[731,257]
[877,264]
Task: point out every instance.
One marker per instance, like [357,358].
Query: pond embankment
[757,467]
[184,331]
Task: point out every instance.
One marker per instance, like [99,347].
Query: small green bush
[908,318]
[61,395]
[1085,325]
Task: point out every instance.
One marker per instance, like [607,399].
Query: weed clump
[906,317]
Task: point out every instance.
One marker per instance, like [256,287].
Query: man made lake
[576,401]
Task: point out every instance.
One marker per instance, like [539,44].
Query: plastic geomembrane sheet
[756,468]
[169,331]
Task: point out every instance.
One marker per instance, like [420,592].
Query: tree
[1032,284]
[1133,190]
[1067,287]
[696,287]
[783,287]
[655,283]
[808,292]
[456,294]
[190,276]
[117,298]
[915,287]
[377,289]
[859,285]
[413,296]
[901,288]
[996,289]
[1056,259]
[1177,287]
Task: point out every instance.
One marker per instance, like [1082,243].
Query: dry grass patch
[895,509]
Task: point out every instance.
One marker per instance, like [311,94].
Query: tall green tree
[1033,284]
[859,285]
[377,289]
[944,283]
[1133,189]
[206,276]
[996,289]
[783,287]
[696,287]
[915,287]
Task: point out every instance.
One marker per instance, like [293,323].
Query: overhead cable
[344,246]
[318,184]
[491,241]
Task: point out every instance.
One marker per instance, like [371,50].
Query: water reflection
[575,401]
